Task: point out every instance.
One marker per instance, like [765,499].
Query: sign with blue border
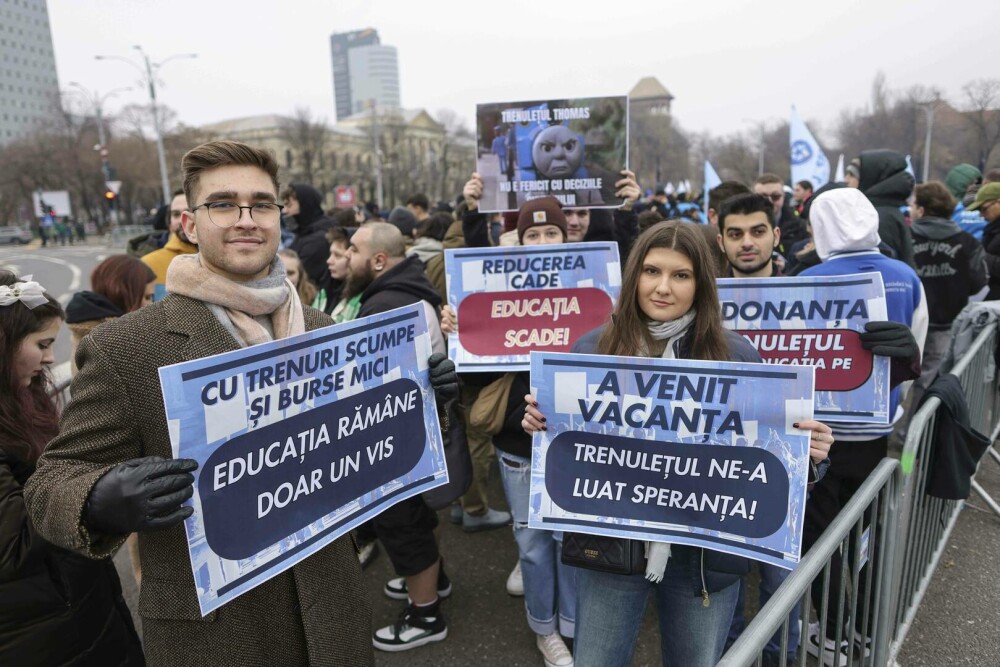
[300,440]
[511,301]
[687,452]
[817,321]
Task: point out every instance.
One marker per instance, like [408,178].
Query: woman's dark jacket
[56,608]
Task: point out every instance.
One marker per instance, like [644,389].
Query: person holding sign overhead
[668,308]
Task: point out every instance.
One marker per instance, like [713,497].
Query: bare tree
[307,137]
[982,99]
[458,137]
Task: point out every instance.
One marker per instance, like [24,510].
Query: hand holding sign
[472,191]
[141,494]
[890,339]
[627,189]
[820,440]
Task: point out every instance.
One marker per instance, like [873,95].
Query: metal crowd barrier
[868,598]
[119,235]
[907,540]
[926,522]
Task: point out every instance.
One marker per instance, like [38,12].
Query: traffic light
[110,196]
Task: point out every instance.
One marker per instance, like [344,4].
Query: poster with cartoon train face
[572,149]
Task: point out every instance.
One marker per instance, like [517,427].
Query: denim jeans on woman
[610,608]
[549,586]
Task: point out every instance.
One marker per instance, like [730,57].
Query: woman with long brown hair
[56,608]
[669,308]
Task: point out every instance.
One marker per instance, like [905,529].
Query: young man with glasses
[792,229]
[110,471]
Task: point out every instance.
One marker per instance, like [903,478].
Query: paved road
[958,619]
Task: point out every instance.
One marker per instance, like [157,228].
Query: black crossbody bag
[616,555]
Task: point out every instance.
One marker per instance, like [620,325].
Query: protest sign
[688,452]
[573,149]
[300,440]
[817,321]
[512,300]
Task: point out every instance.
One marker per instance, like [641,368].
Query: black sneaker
[416,626]
[396,588]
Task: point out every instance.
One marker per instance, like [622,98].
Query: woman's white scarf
[658,553]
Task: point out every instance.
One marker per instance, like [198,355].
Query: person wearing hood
[304,204]
[883,178]
[951,264]
[386,278]
[845,228]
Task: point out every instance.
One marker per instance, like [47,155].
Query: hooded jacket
[951,265]
[845,229]
[887,184]
[310,234]
[402,285]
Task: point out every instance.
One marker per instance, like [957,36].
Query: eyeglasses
[775,196]
[225,214]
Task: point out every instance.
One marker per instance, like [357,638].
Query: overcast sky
[727,62]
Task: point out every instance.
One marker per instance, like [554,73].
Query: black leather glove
[444,379]
[890,339]
[141,494]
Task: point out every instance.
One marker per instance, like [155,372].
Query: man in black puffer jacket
[884,180]
[304,203]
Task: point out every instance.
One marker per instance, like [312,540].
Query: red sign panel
[551,320]
[841,363]
[344,194]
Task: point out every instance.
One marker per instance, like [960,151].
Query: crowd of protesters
[75,491]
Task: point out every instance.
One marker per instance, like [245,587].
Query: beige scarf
[242,302]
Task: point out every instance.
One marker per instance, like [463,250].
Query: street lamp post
[97,101]
[929,108]
[761,127]
[148,71]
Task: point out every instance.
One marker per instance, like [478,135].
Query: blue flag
[712,180]
[808,161]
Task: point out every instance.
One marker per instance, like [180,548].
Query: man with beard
[177,244]
[748,236]
[380,271]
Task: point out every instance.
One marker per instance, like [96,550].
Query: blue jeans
[549,586]
[610,608]
[771,576]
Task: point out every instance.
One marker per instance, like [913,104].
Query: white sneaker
[515,582]
[554,651]
[831,656]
